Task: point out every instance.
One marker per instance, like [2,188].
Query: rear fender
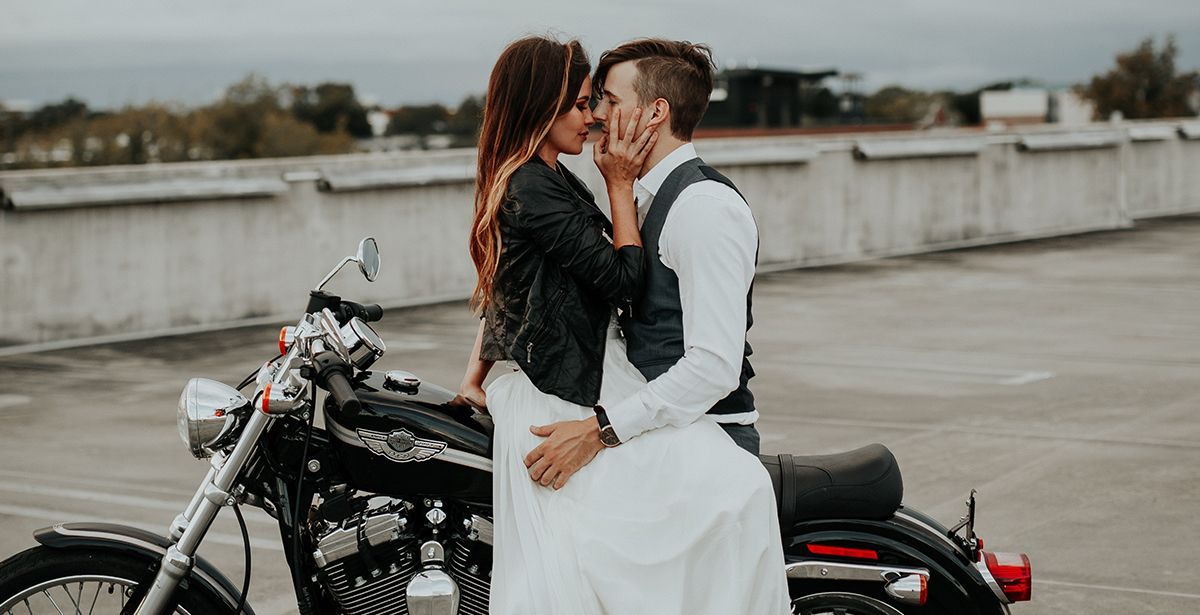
[139,543]
[954,578]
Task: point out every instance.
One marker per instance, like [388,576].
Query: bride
[676,520]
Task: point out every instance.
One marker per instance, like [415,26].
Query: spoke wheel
[74,595]
[841,603]
[45,581]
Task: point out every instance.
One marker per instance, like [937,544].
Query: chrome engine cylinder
[432,592]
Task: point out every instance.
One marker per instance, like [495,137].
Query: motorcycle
[387,509]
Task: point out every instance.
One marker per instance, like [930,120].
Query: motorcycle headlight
[208,410]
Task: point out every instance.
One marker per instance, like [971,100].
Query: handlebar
[344,310]
[369,313]
[331,375]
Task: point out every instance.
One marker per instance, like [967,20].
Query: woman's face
[570,130]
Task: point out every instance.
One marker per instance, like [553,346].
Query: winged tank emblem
[400,445]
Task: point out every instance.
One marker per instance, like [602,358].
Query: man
[687,330]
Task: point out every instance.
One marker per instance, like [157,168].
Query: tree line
[252,119]
[255,119]
[1145,83]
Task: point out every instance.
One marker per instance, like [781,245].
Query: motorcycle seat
[864,483]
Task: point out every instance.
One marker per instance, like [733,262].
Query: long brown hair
[534,81]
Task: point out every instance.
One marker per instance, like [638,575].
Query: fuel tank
[409,440]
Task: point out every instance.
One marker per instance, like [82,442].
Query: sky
[120,52]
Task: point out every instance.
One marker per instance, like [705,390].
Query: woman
[677,520]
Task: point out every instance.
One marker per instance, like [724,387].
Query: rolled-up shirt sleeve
[711,244]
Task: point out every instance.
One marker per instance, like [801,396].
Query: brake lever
[333,331]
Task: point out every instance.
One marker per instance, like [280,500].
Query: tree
[57,114]
[899,104]
[1144,84]
[251,120]
[284,135]
[331,107]
[419,120]
[238,119]
[467,118]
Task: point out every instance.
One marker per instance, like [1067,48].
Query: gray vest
[654,327]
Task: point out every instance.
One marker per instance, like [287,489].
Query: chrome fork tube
[183,519]
[212,495]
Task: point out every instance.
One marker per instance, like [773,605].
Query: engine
[385,557]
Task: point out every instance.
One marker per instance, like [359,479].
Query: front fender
[140,543]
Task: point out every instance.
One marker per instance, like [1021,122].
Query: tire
[841,603]
[83,581]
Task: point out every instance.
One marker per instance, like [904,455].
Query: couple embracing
[626,472]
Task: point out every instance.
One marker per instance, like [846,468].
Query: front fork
[189,528]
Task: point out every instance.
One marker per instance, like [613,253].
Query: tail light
[1012,573]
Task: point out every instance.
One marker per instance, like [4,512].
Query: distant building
[1070,109]
[768,98]
[378,119]
[17,105]
[1020,106]
[1014,107]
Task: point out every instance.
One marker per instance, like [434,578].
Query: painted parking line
[132,501]
[1113,588]
[981,431]
[8,401]
[57,516]
[129,485]
[983,375]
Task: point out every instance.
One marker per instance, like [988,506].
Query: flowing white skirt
[679,520]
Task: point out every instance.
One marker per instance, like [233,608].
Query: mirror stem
[348,259]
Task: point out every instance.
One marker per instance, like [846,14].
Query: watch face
[608,437]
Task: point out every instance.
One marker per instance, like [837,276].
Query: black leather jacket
[557,283]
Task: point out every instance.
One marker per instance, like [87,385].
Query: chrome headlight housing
[208,411]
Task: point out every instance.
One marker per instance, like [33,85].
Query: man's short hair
[679,72]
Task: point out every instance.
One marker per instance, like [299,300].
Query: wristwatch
[608,435]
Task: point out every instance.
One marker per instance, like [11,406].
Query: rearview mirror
[368,258]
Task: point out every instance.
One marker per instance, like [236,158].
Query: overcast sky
[113,52]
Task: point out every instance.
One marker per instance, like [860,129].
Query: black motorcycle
[387,509]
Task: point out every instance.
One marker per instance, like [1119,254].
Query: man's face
[618,94]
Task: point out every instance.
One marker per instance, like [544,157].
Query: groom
[686,332]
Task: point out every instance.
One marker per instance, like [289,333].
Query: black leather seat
[863,483]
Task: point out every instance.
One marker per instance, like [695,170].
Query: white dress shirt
[709,240]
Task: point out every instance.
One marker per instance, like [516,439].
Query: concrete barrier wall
[1163,170]
[142,250]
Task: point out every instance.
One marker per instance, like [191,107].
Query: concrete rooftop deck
[1058,377]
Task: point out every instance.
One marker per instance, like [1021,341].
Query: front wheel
[82,582]
[841,603]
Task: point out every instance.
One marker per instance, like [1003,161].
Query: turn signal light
[287,335]
[1012,573]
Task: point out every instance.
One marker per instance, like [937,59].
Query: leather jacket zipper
[551,310]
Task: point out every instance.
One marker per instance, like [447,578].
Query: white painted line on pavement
[961,372]
[933,428]
[175,506]
[96,482]
[1111,588]
[58,516]
[7,401]
[1027,378]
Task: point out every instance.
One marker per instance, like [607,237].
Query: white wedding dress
[678,520]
